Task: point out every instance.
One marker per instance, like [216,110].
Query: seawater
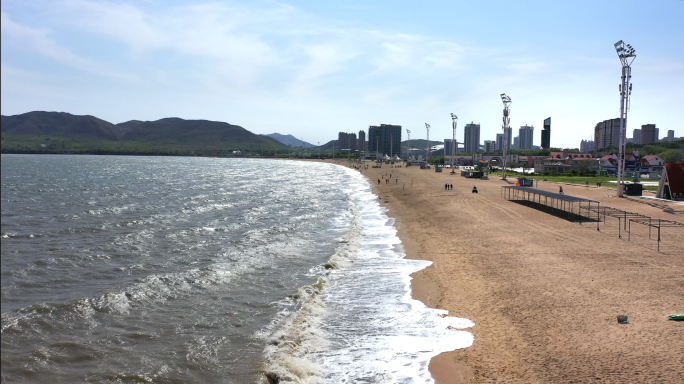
[182,270]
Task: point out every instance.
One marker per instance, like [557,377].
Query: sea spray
[362,324]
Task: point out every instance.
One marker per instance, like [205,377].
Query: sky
[315,68]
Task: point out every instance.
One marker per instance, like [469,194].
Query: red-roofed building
[671,184]
[656,162]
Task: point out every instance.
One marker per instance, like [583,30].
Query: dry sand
[543,292]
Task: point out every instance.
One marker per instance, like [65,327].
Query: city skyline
[285,67]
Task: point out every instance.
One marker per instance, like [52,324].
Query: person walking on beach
[378,181]
[446,186]
[451,186]
[561,191]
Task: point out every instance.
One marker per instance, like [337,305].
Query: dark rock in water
[272,378]
[329,266]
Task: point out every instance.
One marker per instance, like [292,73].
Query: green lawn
[580,180]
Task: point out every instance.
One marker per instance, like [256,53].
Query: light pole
[454,121]
[408,153]
[626,54]
[319,150]
[427,150]
[506,120]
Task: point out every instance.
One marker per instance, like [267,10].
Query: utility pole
[506,120]
[626,55]
[427,150]
[454,121]
[319,150]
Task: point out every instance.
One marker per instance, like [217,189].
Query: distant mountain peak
[289,140]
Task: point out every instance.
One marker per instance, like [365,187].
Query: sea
[121,269]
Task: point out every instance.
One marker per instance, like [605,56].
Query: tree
[513,164]
[584,166]
[672,156]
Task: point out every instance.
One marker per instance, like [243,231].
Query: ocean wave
[359,321]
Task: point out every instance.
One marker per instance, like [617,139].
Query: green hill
[59,132]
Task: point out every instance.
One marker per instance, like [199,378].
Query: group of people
[387,179]
[448,187]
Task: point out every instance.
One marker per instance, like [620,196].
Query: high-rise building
[649,134]
[447,147]
[526,135]
[607,133]
[471,137]
[586,146]
[546,134]
[362,141]
[670,135]
[516,142]
[636,136]
[385,139]
[346,141]
[489,146]
[499,141]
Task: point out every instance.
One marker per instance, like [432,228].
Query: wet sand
[543,292]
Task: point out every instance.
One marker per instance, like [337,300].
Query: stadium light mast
[626,55]
[454,122]
[506,121]
[408,153]
[427,150]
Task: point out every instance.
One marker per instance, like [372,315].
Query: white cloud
[246,62]
[37,40]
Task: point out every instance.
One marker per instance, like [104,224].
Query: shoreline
[543,292]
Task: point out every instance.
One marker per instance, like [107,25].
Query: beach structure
[572,207]
[585,210]
[671,185]
[494,158]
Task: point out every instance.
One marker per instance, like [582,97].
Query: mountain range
[290,140]
[60,132]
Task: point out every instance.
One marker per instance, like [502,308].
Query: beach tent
[671,184]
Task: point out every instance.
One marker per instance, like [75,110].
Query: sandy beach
[544,292]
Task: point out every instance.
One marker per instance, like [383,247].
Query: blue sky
[314,68]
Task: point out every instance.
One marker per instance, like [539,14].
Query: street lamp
[427,150]
[506,120]
[454,121]
[626,55]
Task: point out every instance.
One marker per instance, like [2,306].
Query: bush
[671,156]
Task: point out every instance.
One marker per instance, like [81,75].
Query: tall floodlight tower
[408,153]
[506,121]
[454,121]
[626,54]
[427,150]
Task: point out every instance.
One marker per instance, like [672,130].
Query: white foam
[366,326]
